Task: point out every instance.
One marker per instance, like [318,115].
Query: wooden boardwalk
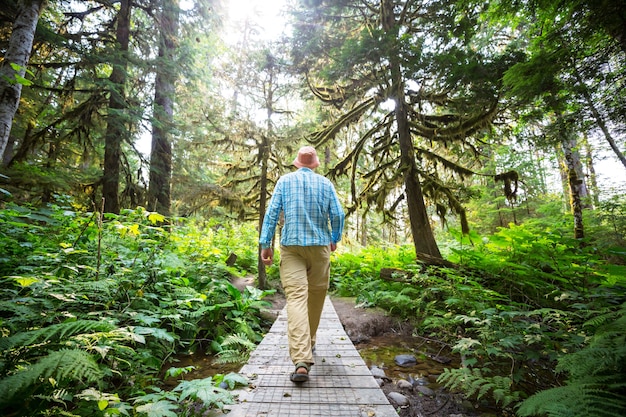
[340,384]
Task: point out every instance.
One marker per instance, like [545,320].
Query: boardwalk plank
[340,383]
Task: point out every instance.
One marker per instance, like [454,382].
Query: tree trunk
[599,119]
[159,190]
[14,64]
[594,190]
[363,229]
[576,182]
[423,237]
[264,150]
[52,155]
[8,151]
[563,176]
[264,156]
[422,232]
[116,120]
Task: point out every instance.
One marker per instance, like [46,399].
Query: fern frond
[597,378]
[605,354]
[17,312]
[101,286]
[185,292]
[197,313]
[60,412]
[58,396]
[602,319]
[64,366]
[239,339]
[228,356]
[473,382]
[236,348]
[575,400]
[55,332]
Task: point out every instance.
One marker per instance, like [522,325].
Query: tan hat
[307,158]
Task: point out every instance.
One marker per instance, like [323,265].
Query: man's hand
[333,247]
[267,256]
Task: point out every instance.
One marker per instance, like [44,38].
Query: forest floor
[379,337]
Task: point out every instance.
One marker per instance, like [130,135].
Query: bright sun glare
[266,13]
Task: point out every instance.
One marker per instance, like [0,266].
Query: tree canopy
[411,103]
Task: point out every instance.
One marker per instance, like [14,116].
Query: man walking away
[313,226]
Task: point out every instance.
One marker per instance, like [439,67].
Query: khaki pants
[304,275]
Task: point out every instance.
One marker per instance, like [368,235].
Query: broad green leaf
[465,344]
[174,372]
[133,229]
[233,379]
[161,408]
[156,218]
[23,81]
[25,281]
[151,331]
[205,391]
[146,319]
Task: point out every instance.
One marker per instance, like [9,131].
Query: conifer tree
[116,124]
[163,118]
[424,100]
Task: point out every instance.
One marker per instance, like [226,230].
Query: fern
[64,366]
[607,316]
[239,339]
[589,399]
[55,332]
[473,382]
[236,348]
[228,356]
[17,312]
[102,286]
[597,378]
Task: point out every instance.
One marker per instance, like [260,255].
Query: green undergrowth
[93,309]
[536,318]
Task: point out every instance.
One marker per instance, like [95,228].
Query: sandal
[297,377]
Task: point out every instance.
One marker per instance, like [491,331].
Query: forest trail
[341,384]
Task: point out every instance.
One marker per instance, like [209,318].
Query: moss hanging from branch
[510,180]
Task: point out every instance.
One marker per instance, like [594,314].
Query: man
[313,225]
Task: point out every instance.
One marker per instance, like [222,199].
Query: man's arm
[271,217]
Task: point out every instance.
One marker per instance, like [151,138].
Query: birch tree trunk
[594,189]
[13,66]
[576,182]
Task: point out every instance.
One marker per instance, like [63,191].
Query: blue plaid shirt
[312,212]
